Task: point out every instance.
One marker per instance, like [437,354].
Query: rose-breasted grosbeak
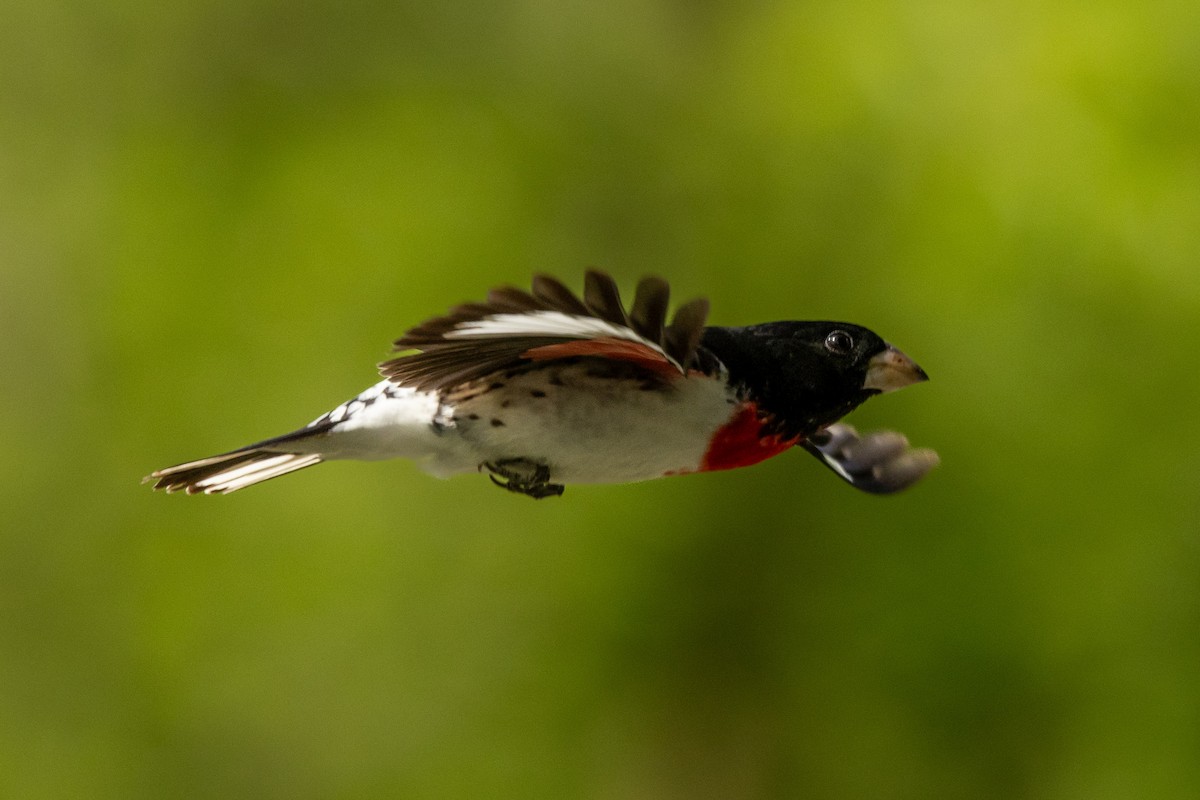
[544,388]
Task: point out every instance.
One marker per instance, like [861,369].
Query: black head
[810,374]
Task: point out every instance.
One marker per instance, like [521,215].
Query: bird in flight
[544,388]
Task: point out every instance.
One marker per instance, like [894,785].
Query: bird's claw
[879,463]
[522,476]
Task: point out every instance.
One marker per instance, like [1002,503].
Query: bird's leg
[522,476]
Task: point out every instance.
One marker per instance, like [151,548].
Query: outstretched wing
[513,327]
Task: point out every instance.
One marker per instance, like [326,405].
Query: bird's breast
[595,421]
[744,440]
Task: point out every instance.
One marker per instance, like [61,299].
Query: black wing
[513,327]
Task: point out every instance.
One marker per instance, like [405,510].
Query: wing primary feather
[511,300]
[432,331]
[450,363]
[649,312]
[682,336]
[602,297]
[557,296]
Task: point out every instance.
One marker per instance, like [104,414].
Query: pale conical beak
[892,370]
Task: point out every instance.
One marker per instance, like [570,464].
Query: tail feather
[230,471]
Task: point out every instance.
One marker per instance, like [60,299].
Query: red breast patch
[741,442]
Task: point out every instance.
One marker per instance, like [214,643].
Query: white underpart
[589,429]
[551,323]
[599,430]
[389,421]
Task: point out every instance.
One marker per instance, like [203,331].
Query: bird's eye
[839,343]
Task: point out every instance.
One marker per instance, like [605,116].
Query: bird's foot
[879,463]
[522,476]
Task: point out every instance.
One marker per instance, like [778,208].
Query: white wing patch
[551,323]
[544,323]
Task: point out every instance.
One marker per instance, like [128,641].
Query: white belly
[593,428]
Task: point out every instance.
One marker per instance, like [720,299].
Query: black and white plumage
[544,388]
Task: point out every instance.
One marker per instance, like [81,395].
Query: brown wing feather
[601,296]
[682,337]
[649,313]
[554,294]
[443,362]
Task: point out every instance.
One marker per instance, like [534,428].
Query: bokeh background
[215,216]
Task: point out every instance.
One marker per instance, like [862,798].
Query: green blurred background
[214,217]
